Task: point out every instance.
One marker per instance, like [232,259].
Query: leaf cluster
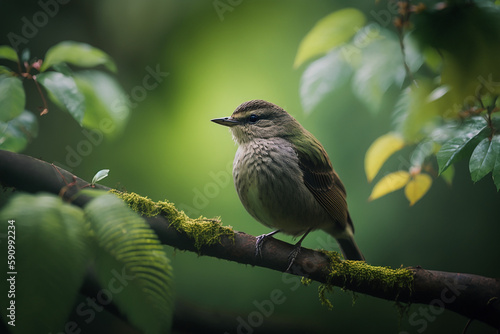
[90,96]
[442,59]
[106,238]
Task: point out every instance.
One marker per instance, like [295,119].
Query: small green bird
[285,179]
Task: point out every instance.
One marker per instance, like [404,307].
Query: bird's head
[259,119]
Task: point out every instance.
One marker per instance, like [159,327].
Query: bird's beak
[226,121]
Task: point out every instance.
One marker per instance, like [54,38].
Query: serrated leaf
[329,32]
[495,142]
[7,52]
[321,77]
[389,183]
[417,187]
[482,160]
[79,54]
[459,147]
[12,97]
[104,99]
[129,253]
[64,92]
[16,133]
[379,151]
[51,256]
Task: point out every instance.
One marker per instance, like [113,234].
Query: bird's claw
[292,256]
[259,243]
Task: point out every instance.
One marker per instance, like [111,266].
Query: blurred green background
[171,150]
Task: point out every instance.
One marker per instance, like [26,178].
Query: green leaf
[64,92]
[103,173]
[448,175]
[16,133]
[79,54]
[329,32]
[322,77]
[130,255]
[420,109]
[465,140]
[381,67]
[482,160]
[423,150]
[51,256]
[352,51]
[12,98]
[495,143]
[63,68]
[5,70]
[6,52]
[105,100]
[433,59]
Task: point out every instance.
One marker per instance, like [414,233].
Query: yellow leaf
[389,183]
[329,32]
[380,150]
[417,187]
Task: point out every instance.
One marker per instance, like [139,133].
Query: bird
[285,180]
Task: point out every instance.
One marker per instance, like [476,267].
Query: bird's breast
[270,185]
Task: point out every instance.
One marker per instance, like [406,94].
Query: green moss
[203,231]
[305,281]
[323,289]
[359,273]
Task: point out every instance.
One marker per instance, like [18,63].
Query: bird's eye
[253,118]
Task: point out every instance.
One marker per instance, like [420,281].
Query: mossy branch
[473,296]
[203,231]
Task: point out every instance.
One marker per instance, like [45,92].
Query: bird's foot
[260,242]
[292,256]
[296,251]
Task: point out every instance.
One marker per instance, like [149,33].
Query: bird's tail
[350,250]
[348,246]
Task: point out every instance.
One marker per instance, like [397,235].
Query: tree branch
[473,296]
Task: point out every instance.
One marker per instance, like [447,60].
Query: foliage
[90,96]
[447,106]
[126,243]
[122,250]
[55,245]
[328,33]
[49,276]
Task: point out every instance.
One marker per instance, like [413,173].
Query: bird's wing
[325,184]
